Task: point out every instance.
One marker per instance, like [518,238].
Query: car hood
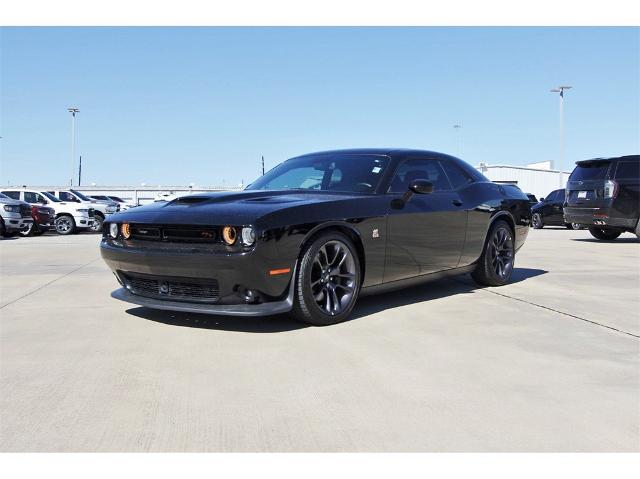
[234,208]
[11,201]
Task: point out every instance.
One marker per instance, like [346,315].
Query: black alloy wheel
[328,280]
[604,234]
[96,227]
[536,220]
[495,266]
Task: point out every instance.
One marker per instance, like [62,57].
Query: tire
[637,232]
[322,298]
[9,234]
[537,222]
[604,234]
[30,231]
[496,263]
[96,227]
[65,225]
[3,229]
[576,226]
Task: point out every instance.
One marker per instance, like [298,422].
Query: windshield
[80,195]
[343,173]
[117,198]
[595,170]
[50,196]
[4,197]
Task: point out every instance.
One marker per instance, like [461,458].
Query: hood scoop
[189,200]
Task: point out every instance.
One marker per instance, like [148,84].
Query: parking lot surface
[548,363]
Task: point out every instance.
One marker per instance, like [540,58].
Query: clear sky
[174,106]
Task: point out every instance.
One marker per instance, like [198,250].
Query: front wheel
[30,231]
[495,266]
[604,234]
[536,219]
[328,280]
[96,226]
[65,224]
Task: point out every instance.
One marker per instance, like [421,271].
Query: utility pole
[561,90]
[262,165]
[73,112]
[458,129]
[80,171]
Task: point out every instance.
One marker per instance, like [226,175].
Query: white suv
[70,217]
[101,208]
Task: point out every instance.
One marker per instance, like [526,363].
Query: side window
[411,170]
[457,176]
[64,196]
[12,194]
[31,197]
[552,196]
[628,170]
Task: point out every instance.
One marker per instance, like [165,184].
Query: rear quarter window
[596,170]
[628,170]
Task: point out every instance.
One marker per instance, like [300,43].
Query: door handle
[457,203]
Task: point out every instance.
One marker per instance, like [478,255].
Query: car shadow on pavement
[364,307]
[617,240]
[442,288]
[263,324]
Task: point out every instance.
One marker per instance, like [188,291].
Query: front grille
[175,289]
[25,211]
[176,234]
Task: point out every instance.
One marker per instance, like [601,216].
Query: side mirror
[541,200]
[421,187]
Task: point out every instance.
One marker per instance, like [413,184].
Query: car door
[555,215]
[427,234]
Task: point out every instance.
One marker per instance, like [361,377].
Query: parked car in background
[15,216]
[101,208]
[316,232]
[604,195]
[548,212]
[124,205]
[69,217]
[43,220]
[532,199]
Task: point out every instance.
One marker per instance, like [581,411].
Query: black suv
[604,195]
[548,212]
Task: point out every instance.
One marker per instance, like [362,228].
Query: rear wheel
[536,219]
[65,224]
[495,266]
[328,280]
[573,226]
[604,234]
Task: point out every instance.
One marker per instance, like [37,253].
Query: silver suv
[15,216]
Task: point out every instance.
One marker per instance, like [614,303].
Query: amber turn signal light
[274,272]
[126,230]
[229,235]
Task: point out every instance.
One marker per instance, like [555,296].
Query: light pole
[73,112]
[561,90]
[458,129]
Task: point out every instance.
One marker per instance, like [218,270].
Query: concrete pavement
[548,363]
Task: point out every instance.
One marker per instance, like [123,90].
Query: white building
[537,178]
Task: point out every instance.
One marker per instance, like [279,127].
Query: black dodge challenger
[316,232]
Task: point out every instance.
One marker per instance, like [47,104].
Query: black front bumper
[185,268]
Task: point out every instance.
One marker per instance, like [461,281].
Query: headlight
[82,210]
[248,236]
[113,230]
[12,208]
[229,235]
[111,209]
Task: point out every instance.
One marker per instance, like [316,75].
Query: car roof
[612,158]
[392,152]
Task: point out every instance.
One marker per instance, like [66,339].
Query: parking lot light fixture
[561,89]
[73,112]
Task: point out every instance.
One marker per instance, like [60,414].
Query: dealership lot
[548,363]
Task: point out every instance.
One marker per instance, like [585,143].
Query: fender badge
[375,233]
